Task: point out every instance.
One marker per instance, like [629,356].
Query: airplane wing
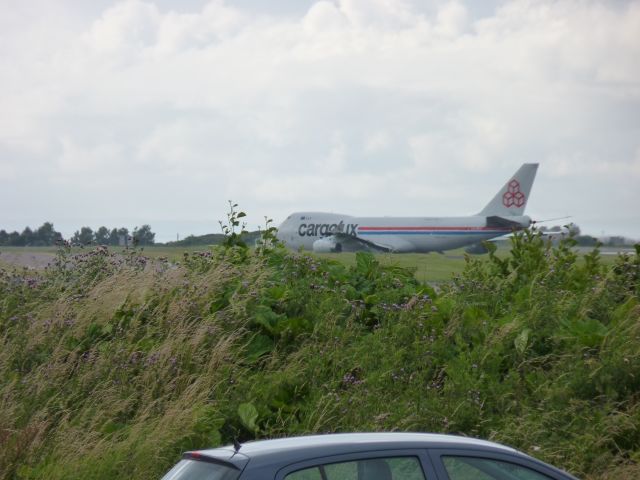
[343,242]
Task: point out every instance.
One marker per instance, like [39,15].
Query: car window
[344,470]
[306,474]
[472,468]
[394,468]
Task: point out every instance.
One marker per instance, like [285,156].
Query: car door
[373,465]
[469,464]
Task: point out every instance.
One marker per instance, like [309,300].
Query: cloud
[373,106]
[452,20]
[376,142]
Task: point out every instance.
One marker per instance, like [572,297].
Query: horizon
[67,234]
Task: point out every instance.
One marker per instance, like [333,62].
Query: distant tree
[113,237]
[616,241]
[574,229]
[15,239]
[212,239]
[46,235]
[84,237]
[143,235]
[191,240]
[102,236]
[43,236]
[586,240]
[27,236]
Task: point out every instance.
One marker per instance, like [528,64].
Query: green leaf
[267,318]
[365,263]
[259,346]
[521,341]
[371,299]
[490,246]
[277,292]
[248,416]
[587,332]
[292,327]
[207,424]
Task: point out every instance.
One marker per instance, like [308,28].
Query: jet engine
[476,249]
[327,245]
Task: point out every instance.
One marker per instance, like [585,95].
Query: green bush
[112,365]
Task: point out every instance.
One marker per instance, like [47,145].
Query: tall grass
[112,365]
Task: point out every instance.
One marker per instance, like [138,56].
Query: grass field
[437,267]
[428,267]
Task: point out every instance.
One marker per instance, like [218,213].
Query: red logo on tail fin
[513,197]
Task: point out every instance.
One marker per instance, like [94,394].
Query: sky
[131,112]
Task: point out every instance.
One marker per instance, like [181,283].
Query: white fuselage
[398,234]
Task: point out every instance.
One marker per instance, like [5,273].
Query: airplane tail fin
[512,198]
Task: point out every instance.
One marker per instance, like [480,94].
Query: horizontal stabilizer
[496,221]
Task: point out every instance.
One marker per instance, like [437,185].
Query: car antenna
[236,445]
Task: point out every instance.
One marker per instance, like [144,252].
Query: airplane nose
[281,234]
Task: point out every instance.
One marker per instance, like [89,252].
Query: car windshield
[199,470]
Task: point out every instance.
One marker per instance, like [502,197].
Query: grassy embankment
[428,267]
[111,365]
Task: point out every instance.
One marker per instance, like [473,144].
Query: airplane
[333,233]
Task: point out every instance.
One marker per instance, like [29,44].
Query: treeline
[43,236]
[46,235]
[116,236]
[212,239]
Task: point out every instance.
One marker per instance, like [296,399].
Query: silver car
[364,456]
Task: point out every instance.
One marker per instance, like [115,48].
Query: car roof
[388,440]
[295,449]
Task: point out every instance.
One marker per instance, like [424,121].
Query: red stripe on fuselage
[435,228]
